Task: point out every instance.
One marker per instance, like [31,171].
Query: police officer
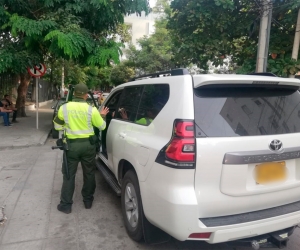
[77,119]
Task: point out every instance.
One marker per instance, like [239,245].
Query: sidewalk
[24,133]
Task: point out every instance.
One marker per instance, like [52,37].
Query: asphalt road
[30,182]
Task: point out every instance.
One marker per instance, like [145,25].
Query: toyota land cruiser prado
[205,157]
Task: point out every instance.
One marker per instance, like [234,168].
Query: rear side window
[129,103]
[240,110]
[153,99]
[141,104]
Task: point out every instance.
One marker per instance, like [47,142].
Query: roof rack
[262,74]
[172,72]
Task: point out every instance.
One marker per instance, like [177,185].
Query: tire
[55,133]
[132,208]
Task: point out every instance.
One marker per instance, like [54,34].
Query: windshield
[246,111]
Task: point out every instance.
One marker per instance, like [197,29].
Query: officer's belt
[78,140]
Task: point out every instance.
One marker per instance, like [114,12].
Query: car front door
[120,125]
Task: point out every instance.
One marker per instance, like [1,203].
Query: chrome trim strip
[259,156]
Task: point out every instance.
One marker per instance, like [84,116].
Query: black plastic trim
[263,74]
[173,72]
[251,216]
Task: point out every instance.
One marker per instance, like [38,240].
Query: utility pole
[296,39]
[62,80]
[264,36]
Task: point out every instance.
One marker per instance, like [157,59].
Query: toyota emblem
[276,145]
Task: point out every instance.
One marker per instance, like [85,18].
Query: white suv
[205,157]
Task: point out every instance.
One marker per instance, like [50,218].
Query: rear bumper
[256,228]
[172,206]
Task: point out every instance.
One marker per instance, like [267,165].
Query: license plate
[270,172]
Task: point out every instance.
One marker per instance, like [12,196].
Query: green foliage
[93,76]
[209,30]
[104,77]
[284,66]
[83,31]
[102,54]
[121,73]
[72,44]
[162,7]
[27,26]
[156,52]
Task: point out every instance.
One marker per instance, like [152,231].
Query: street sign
[38,70]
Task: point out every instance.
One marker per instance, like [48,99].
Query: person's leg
[68,186]
[14,116]
[2,114]
[7,115]
[5,118]
[88,169]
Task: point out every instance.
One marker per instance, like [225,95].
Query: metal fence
[46,91]
[7,83]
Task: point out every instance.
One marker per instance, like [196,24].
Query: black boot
[64,209]
[88,204]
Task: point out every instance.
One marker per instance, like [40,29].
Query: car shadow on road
[111,212]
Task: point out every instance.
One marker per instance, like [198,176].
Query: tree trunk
[22,91]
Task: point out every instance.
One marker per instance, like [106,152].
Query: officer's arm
[97,120]
[59,120]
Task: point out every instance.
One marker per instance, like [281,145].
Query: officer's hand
[104,111]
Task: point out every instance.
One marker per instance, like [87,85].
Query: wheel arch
[151,233]
[123,167]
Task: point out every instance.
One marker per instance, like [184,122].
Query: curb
[41,104]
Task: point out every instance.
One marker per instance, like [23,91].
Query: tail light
[180,151]
[200,236]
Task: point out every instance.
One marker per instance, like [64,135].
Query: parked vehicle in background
[103,97]
[213,158]
[61,101]
[97,96]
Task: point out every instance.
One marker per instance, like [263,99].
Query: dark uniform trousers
[80,150]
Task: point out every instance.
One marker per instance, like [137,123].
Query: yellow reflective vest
[144,121]
[78,119]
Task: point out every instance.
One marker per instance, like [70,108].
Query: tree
[156,51]
[162,7]
[121,73]
[104,76]
[82,31]
[209,30]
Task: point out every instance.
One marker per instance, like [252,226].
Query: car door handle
[122,135]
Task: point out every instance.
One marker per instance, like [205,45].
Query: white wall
[140,25]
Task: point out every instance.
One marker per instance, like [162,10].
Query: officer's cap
[80,89]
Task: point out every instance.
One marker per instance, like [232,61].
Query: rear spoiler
[226,79]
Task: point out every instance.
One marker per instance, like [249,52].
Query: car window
[129,103]
[246,111]
[113,101]
[153,99]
